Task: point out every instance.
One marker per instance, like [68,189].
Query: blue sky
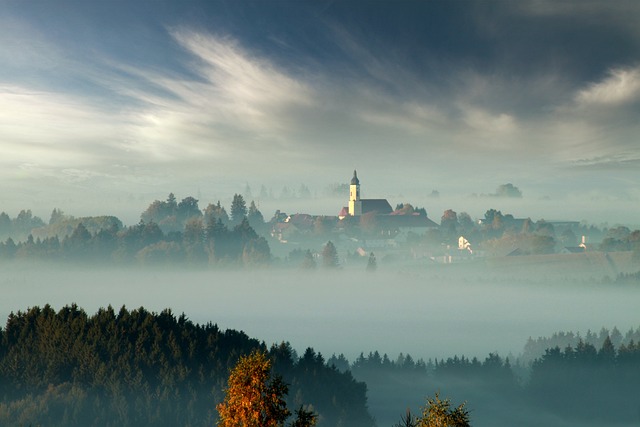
[105,101]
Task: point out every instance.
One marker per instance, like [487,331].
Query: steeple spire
[355,180]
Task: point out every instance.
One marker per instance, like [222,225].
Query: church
[358,206]
[389,222]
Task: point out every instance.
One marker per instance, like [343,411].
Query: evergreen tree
[238,208]
[304,418]
[187,209]
[407,420]
[255,216]
[330,255]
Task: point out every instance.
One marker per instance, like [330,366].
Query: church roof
[379,206]
[406,221]
[355,180]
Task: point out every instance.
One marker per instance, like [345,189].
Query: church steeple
[355,180]
[355,205]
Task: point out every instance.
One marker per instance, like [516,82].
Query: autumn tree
[216,212]
[449,223]
[438,413]
[255,397]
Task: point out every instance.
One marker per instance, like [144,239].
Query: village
[407,236]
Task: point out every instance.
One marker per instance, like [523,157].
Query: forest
[169,232]
[135,367]
[566,386]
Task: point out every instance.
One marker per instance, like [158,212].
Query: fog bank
[427,314]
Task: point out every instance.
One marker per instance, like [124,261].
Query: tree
[330,255]
[5,223]
[162,212]
[308,262]
[77,244]
[254,398]
[304,418]
[449,218]
[438,413]
[372,264]
[238,208]
[218,237]
[449,223]
[465,221]
[56,215]
[216,212]
[304,192]
[407,420]
[508,190]
[187,209]
[255,216]
[256,252]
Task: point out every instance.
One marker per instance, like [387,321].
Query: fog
[428,314]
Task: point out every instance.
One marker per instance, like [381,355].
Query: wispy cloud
[206,104]
[53,129]
[233,101]
[619,87]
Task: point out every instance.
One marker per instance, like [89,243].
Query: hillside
[138,368]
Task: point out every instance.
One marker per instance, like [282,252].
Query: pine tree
[238,208]
[330,255]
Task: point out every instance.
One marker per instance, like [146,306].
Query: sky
[107,105]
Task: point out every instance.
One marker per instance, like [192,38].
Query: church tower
[355,204]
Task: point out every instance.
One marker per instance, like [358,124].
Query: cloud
[232,104]
[241,85]
[53,129]
[484,122]
[621,86]
[208,107]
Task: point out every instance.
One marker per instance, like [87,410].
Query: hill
[138,368]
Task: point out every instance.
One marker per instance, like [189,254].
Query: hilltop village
[363,232]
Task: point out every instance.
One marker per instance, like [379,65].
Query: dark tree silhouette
[330,256]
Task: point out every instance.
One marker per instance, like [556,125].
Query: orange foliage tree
[255,398]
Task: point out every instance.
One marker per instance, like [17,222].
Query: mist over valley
[330,213]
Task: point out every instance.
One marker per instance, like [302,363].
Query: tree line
[572,383]
[135,367]
[169,232]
